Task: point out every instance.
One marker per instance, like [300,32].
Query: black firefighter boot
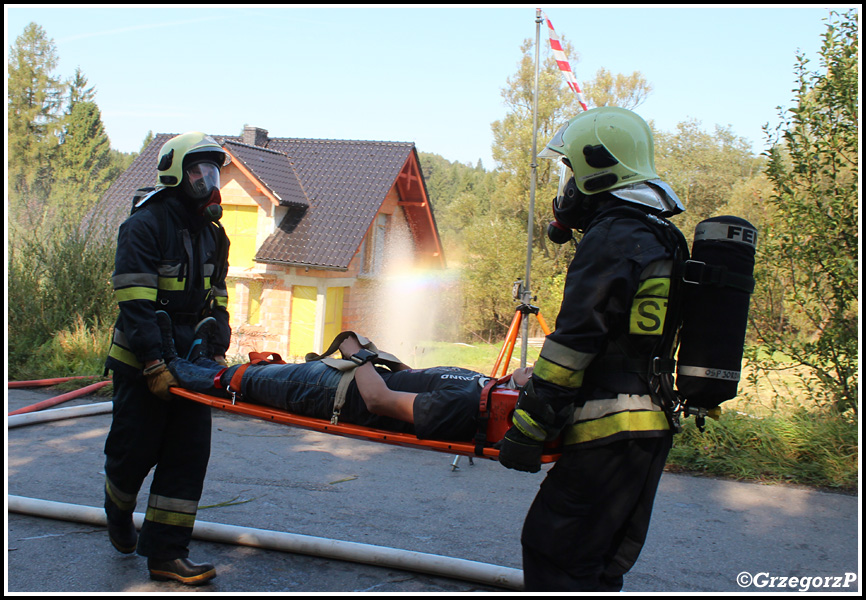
[180,569]
[121,529]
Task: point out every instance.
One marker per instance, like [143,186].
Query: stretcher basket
[495,419]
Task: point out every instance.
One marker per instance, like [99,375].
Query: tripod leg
[543,323]
[508,346]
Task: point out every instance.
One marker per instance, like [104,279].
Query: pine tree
[78,91]
[83,167]
[33,109]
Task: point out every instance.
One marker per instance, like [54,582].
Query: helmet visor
[201,179]
[555,148]
[562,201]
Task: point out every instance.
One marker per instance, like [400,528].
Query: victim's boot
[200,347]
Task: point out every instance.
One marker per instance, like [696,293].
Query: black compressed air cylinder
[718,282]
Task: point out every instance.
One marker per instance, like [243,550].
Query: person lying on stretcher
[438,403]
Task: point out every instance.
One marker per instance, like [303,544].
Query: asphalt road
[707,535]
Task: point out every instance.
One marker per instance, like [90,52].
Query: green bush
[59,289]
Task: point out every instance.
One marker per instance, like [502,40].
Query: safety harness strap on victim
[347,367]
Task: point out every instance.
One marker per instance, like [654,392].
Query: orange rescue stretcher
[495,410]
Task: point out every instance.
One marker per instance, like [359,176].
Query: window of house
[373,249]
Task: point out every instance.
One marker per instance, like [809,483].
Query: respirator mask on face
[572,209]
[201,183]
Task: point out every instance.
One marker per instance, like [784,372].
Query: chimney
[254,136]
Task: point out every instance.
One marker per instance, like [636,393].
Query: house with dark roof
[314,225]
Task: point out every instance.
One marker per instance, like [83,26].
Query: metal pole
[527,292]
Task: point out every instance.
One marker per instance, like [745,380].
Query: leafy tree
[702,168]
[609,89]
[808,294]
[512,150]
[458,192]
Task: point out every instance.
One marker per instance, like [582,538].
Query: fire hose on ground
[380,556]
[57,399]
[45,382]
[419,562]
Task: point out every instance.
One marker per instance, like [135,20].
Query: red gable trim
[416,204]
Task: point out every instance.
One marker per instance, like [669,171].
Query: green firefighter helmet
[606,148]
[180,152]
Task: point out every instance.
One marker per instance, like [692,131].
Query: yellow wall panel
[303,325]
[240,223]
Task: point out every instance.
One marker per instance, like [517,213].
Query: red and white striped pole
[562,61]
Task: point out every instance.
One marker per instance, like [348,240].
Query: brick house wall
[360,291]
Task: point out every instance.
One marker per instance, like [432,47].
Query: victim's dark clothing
[446,405]
[168,258]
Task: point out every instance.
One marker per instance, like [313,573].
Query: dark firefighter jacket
[173,260]
[611,319]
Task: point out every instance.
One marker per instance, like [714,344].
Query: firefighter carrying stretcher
[172,254]
[592,383]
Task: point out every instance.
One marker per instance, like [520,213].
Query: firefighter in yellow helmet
[592,384]
[171,261]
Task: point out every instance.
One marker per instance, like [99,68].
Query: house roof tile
[274,170]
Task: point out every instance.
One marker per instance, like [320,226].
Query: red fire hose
[45,382]
[57,399]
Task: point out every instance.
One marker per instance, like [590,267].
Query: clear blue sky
[431,75]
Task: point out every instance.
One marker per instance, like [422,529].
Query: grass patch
[476,357]
[808,447]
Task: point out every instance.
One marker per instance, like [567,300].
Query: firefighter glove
[159,379]
[520,452]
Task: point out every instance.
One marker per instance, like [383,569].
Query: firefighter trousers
[589,520]
[173,436]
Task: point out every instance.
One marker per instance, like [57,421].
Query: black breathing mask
[201,183]
[211,209]
[572,209]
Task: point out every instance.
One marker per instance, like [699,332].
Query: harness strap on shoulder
[385,358]
[662,364]
[347,367]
